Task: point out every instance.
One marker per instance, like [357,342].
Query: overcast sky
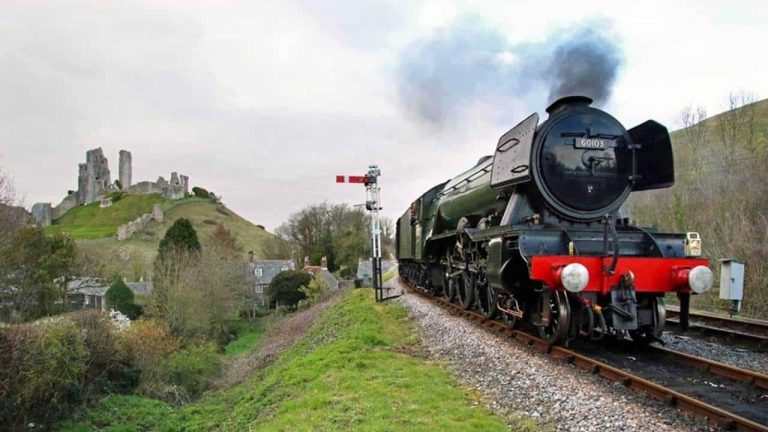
[264,103]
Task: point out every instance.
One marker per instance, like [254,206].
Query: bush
[120,298]
[41,367]
[200,192]
[285,288]
[146,344]
[315,291]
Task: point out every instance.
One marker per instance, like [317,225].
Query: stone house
[88,293]
[261,273]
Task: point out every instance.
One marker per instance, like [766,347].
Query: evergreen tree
[180,236]
[120,298]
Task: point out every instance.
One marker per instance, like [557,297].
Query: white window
[258,272]
[284,269]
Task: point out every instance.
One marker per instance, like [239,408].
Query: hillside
[720,192]
[94,229]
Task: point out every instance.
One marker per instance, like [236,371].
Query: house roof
[365,269]
[88,286]
[269,269]
[323,274]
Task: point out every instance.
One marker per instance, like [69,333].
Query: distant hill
[95,230]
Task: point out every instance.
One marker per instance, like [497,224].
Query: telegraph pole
[373,205]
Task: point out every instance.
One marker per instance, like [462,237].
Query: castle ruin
[94,184]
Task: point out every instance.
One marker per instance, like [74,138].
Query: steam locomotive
[537,234]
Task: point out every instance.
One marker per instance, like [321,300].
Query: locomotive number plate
[593,143]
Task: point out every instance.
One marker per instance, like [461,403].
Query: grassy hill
[720,191]
[95,229]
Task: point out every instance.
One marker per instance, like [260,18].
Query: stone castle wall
[94,183]
[125,231]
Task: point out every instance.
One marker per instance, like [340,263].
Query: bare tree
[12,218]
[696,133]
[736,128]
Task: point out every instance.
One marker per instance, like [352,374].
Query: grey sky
[265,102]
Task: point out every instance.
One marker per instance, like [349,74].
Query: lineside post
[373,205]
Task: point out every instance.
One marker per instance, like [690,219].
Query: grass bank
[358,368]
[93,222]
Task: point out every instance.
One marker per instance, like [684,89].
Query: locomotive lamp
[574,277]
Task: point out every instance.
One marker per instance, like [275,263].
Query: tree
[120,298]
[181,236]
[309,229]
[12,218]
[200,192]
[285,288]
[38,267]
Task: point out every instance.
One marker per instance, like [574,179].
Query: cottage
[321,272]
[261,273]
[88,293]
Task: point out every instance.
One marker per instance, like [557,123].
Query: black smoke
[470,62]
[586,64]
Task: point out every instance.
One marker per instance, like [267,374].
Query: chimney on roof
[324,263]
[250,256]
[306,261]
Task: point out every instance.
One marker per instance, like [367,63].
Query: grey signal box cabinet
[731,280]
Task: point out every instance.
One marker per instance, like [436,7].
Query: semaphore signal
[372,204]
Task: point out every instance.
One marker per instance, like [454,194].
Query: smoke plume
[472,63]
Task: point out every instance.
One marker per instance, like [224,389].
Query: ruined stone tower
[93,180]
[126,169]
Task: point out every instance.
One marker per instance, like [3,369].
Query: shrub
[315,291]
[41,367]
[146,344]
[285,288]
[200,192]
[120,298]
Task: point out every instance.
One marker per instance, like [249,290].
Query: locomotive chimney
[567,101]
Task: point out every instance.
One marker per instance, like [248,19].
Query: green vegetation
[92,222]
[180,236]
[357,369]
[200,192]
[248,336]
[285,288]
[38,266]
[120,298]
[719,193]
[134,257]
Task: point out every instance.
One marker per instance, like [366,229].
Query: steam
[471,63]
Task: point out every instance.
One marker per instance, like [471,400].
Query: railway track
[687,382]
[745,330]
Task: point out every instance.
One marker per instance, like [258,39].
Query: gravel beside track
[728,354]
[514,378]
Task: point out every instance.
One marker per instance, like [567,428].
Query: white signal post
[372,204]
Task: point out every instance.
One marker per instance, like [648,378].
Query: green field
[360,367]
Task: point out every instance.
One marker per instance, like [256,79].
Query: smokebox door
[654,162]
[512,160]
